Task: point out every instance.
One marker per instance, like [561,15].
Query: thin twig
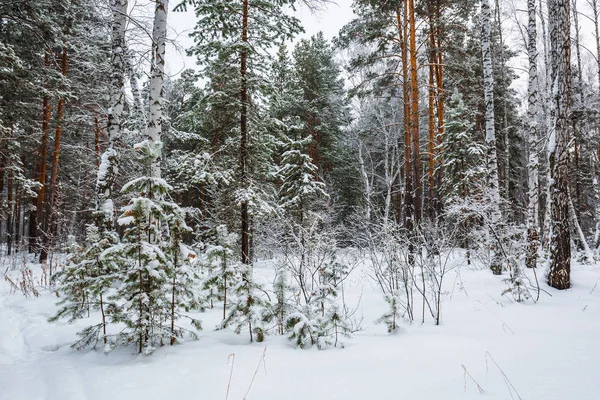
[232,357]
[473,379]
[596,284]
[261,361]
[504,324]
[507,381]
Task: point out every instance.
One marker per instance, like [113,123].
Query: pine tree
[158,281]
[318,318]
[241,33]
[222,271]
[247,309]
[462,152]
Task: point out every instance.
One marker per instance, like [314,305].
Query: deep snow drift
[549,350]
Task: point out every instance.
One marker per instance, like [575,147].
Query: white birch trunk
[490,133]
[597,37]
[578,52]
[366,182]
[118,67]
[596,183]
[107,172]
[157,72]
[533,204]
[575,223]
[597,161]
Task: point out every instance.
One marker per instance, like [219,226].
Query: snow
[546,351]
[105,165]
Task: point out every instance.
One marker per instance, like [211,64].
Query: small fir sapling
[516,253]
[85,283]
[247,309]
[221,267]
[157,279]
[186,295]
[392,316]
[319,320]
[282,306]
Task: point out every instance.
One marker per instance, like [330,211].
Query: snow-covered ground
[549,350]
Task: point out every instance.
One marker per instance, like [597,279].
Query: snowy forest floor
[547,350]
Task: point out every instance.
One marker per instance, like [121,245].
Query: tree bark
[244,136]
[431,119]
[558,146]
[533,202]
[408,191]
[157,72]
[490,134]
[414,113]
[51,214]
[506,167]
[37,217]
[440,98]
[597,37]
[97,141]
[107,173]
[11,214]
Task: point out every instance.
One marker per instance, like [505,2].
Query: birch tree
[157,73]
[533,219]
[107,172]
[490,133]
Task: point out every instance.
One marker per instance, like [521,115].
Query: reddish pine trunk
[38,215]
[440,98]
[51,215]
[414,113]
[431,119]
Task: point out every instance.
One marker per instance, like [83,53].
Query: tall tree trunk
[414,113]
[558,147]
[506,137]
[11,214]
[244,136]
[596,185]
[366,183]
[245,218]
[575,224]
[408,187]
[577,51]
[157,72]
[547,120]
[18,206]
[440,98]
[490,136]
[533,201]
[107,173]
[597,37]
[431,118]
[51,231]
[97,154]
[580,100]
[36,218]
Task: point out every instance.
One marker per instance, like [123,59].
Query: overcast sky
[330,20]
[336,14]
